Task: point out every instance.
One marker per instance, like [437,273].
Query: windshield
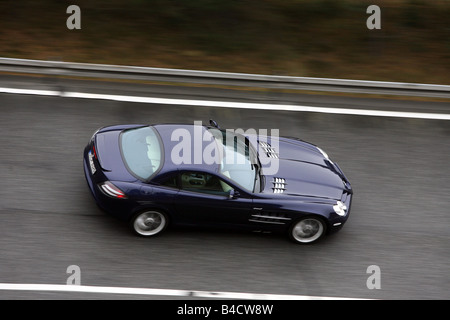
[239,161]
[141,151]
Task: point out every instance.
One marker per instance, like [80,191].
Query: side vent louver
[270,217]
[270,152]
[279,185]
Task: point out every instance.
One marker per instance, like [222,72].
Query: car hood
[302,170]
[306,179]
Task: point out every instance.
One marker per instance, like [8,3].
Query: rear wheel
[307,230]
[149,223]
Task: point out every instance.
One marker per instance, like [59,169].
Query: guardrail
[58,68]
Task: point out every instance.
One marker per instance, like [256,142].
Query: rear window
[141,151]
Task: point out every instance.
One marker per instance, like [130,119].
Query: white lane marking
[30,91]
[229,104]
[160,292]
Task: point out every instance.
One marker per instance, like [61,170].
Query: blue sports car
[153,176]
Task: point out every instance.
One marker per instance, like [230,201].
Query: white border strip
[228,104]
[159,292]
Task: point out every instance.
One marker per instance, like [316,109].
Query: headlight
[340,208]
[323,153]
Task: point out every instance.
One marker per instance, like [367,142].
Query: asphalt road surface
[399,169]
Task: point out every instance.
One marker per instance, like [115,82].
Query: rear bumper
[90,181]
[119,208]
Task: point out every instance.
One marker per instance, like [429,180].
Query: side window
[170,182]
[204,183]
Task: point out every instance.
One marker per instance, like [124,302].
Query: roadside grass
[320,38]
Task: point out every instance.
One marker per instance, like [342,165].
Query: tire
[149,223]
[307,230]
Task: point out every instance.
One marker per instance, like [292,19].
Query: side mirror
[233,194]
[213,123]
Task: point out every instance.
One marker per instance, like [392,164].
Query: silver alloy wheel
[149,223]
[307,230]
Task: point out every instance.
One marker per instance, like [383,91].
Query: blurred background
[319,38]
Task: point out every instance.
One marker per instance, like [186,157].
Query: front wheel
[307,230]
[149,223]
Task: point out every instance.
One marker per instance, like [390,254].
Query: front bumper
[336,222]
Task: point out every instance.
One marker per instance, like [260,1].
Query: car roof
[180,138]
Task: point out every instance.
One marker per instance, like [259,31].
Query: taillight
[94,151]
[111,190]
